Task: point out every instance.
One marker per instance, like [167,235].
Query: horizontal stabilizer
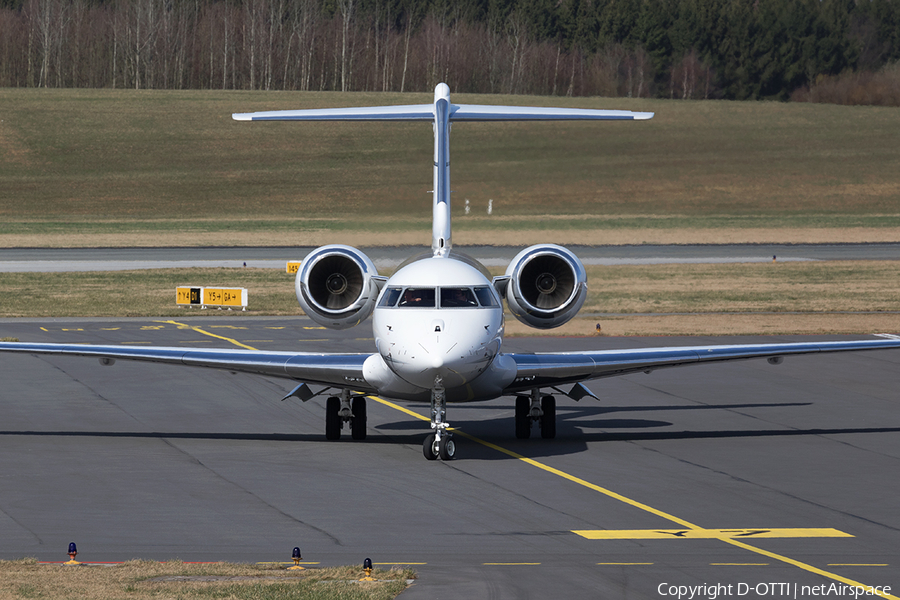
[458,112]
[476,112]
[408,112]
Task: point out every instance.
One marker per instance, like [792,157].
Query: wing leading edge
[337,370]
[551,369]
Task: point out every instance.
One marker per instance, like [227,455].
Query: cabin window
[390,297]
[458,297]
[485,297]
[417,298]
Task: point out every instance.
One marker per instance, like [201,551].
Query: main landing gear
[440,443]
[344,409]
[535,409]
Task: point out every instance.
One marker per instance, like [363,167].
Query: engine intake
[337,286]
[547,286]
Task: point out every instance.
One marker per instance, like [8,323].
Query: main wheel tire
[428,447]
[447,448]
[332,418]
[358,422]
[548,419]
[523,421]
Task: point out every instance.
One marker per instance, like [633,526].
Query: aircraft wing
[335,370]
[560,368]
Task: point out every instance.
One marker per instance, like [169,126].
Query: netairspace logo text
[775,590]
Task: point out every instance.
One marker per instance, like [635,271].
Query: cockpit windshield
[453,297]
[390,297]
[450,297]
[417,298]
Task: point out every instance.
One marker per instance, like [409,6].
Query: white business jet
[438,321]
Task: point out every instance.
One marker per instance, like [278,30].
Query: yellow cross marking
[706,534]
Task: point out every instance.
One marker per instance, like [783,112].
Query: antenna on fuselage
[441,113]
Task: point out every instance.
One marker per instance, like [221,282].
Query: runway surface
[161,462]
[114,259]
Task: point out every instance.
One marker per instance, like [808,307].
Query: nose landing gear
[440,443]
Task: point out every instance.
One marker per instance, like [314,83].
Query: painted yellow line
[640,505]
[511,564]
[623,564]
[858,565]
[706,534]
[739,564]
[198,330]
[806,567]
[288,563]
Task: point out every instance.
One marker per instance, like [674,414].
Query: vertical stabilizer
[440,224]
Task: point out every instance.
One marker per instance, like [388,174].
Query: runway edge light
[295,555]
[367,567]
[73,551]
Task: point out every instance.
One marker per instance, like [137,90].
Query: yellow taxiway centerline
[199,330]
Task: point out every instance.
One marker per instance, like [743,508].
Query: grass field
[175,580]
[704,299]
[122,168]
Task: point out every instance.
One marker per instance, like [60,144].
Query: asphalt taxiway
[740,473]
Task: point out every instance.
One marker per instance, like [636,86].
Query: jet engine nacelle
[547,286]
[337,286]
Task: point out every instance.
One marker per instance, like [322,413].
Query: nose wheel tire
[447,448]
[430,448]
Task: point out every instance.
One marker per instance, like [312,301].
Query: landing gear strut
[440,443]
[339,410]
[539,409]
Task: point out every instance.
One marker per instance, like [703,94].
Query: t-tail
[441,113]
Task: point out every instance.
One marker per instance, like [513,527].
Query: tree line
[735,49]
